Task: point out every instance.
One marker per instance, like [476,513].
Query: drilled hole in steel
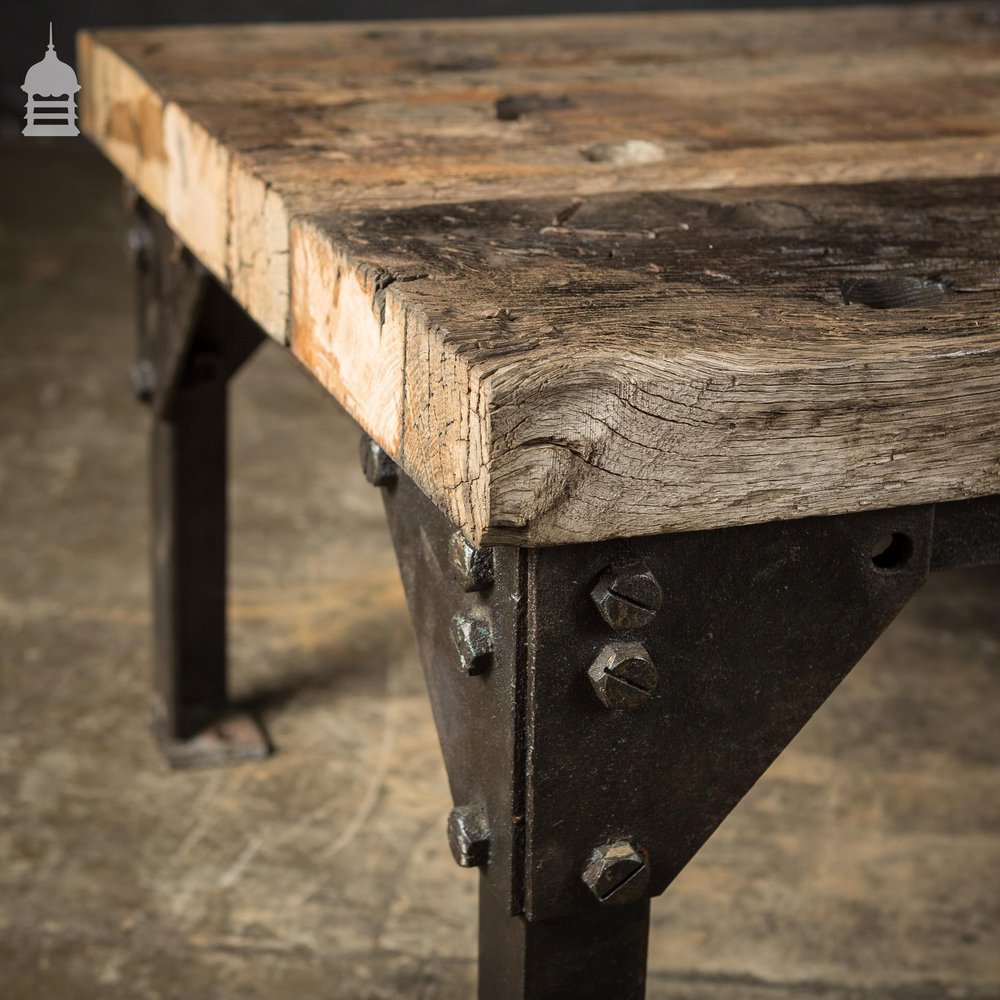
[892,551]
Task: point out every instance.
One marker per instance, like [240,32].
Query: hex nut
[143,379]
[473,566]
[379,468]
[469,836]
[473,635]
[139,246]
[623,675]
[617,873]
[627,596]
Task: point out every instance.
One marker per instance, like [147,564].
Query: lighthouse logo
[51,87]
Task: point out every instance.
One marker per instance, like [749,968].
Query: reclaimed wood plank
[598,369]
[221,127]
[658,361]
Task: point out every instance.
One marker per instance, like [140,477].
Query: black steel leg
[189,560]
[192,339]
[597,954]
[603,707]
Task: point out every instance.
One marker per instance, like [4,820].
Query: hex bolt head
[469,836]
[143,379]
[379,468]
[623,675]
[627,596]
[473,637]
[617,873]
[473,567]
[139,246]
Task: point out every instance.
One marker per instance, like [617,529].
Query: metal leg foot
[232,739]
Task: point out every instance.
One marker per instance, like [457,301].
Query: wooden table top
[604,275]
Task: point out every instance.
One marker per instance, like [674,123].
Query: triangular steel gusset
[603,707]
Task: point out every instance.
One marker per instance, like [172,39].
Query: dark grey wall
[24,25]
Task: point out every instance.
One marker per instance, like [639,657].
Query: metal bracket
[714,648]
[476,711]
[966,533]
[190,329]
[756,627]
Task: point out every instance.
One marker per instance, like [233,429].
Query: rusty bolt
[469,836]
[139,246]
[379,468]
[627,596]
[474,640]
[617,873]
[143,379]
[623,675]
[474,567]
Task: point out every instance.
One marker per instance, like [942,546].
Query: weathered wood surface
[681,360]
[417,209]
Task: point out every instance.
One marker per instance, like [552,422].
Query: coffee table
[674,341]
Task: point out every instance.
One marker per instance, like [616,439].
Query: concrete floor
[865,865]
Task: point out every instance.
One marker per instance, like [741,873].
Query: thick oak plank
[417,209]
[660,361]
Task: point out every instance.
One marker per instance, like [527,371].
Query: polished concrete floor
[865,865]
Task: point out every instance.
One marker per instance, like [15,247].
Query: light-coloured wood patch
[347,335]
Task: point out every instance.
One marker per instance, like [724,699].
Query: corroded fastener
[139,246]
[143,379]
[469,836]
[617,872]
[623,675]
[379,468]
[473,637]
[627,595]
[473,567]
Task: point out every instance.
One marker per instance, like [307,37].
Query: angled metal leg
[603,707]
[192,339]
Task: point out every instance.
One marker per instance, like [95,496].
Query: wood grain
[422,211]
[669,361]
